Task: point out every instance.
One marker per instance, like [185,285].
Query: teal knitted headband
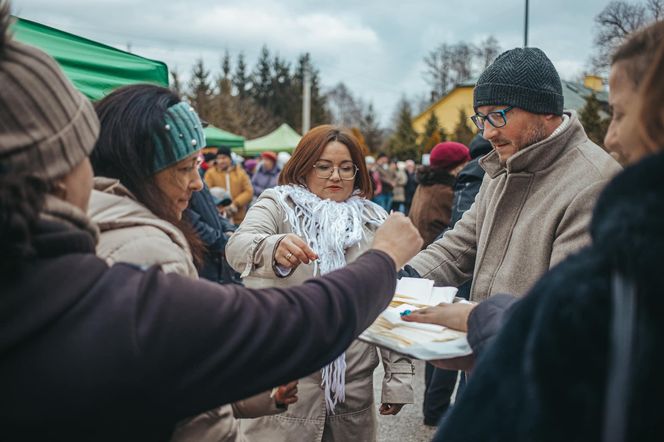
[184,132]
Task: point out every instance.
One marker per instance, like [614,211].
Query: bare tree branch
[616,21]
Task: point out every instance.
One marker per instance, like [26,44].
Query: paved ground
[407,426]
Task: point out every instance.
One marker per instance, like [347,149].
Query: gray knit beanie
[523,78]
[47,127]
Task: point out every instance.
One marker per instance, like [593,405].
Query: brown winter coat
[130,232]
[241,189]
[431,209]
[526,218]
[250,251]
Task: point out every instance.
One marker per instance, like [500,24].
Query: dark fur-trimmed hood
[428,176]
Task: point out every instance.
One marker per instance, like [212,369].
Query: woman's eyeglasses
[346,171]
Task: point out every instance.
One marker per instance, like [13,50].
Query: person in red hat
[267,173]
[431,209]
[431,213]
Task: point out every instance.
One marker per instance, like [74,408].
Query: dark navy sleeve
[486,320]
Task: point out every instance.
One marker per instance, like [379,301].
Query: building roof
[575,95]
[468,83]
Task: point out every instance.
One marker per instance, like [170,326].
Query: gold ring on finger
[289,256]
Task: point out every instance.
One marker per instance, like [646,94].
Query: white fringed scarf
[329,228]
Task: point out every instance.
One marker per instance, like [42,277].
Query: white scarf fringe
[329,228]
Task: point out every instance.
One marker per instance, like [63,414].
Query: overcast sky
[375,47]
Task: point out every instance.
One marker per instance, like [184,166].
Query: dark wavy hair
[130,117]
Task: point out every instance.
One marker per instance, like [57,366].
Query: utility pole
[306,101]
[525,30]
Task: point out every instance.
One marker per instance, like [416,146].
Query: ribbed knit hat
[46,126]
[448,155]
[184,132]
[523,78]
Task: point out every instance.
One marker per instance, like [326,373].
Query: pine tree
[200,91]
[261,90]
[442,135]
[462,132]
[591,120]
[373,134]
[403,143]
[282,101]
[240,79]
[224,82]
[431,135]
[176,85]
[222,114]
[319,111]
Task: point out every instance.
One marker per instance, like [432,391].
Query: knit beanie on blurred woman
[448,154]
[46,126]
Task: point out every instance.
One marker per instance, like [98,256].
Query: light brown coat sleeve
[256,406]
[250,250]
[398,379]
[572,233]
[450,261]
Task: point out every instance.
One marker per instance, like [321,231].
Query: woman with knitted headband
[146,162]
[90,351]
[146,168]
[318,220]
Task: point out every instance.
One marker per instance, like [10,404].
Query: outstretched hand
[454,316]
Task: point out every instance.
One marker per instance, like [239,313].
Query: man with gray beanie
[541,182]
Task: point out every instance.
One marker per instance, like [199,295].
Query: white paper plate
[426,352]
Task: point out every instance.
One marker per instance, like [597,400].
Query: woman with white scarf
[317,220]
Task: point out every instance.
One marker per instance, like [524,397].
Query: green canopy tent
[282,139]
[94,68]
[216,137]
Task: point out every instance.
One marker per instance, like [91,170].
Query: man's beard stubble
[532,135]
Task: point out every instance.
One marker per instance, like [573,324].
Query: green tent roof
[282,139]
[94,68]
[217,137]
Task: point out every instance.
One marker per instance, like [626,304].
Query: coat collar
[540,155]
[112,206]
[63,228]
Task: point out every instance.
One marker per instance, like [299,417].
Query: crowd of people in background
[189,312]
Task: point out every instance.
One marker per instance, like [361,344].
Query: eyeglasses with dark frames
[497,119]
[325,170]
